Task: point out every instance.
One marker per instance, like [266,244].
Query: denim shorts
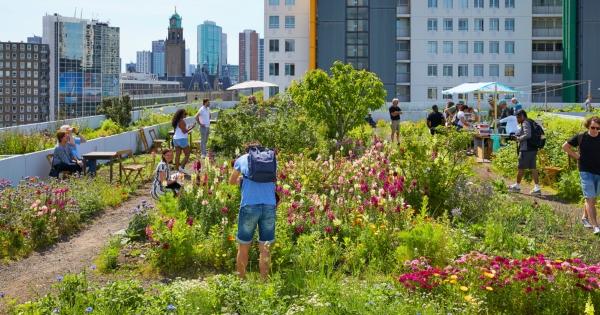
[252,216]
[590,184]
[181,143]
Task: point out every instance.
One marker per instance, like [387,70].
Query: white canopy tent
[482,87]
[252,85]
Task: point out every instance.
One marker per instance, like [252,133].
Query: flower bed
[36,214]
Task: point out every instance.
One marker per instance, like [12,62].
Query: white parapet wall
[17,167]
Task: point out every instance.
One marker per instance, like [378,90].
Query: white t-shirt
[204,116]
[460,116]
[512,125]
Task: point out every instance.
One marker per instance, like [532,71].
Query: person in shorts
[588,160]
[527,155]
[434,119]
[395,113]
[257,209]
[180,139]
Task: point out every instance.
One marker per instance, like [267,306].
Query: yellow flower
[463,288]
[489,288]
[436,274]
[453,277]
[453,281]
[468,298]
[489,275]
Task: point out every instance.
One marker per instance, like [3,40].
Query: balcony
[547,9]
[404,32]
[548,55]
[401,10]
[402,77]
[547,32]
[402,55]
[541,77]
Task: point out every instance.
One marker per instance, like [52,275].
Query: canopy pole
[479,105]
[495,105]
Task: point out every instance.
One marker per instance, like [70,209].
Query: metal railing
[547,9]
[547,55]
[547,32]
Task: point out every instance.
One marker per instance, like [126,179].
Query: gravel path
[34,275]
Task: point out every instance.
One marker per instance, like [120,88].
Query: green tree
[341,100]
[117,109]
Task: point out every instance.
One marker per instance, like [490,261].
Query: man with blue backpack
[530,139]
[256,172]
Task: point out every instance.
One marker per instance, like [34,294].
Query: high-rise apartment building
[286,38]
[547,52]
[84,65]
[175,48]
[158,58]
[187,62]
[419,48]
[143,62]
[209,47]
[223,59]
[587,44]
[24,79]
[248,55]
[261,59]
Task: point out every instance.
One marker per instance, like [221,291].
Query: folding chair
[156,143]
[130,170]
[143,140]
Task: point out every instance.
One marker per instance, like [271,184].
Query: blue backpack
[262,165]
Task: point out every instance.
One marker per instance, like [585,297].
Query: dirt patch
[34,275]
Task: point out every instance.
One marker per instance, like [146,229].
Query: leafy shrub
[569,187]
[427,239]
[282,126]
[107,260]
[117,109]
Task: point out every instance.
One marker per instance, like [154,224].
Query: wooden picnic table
[109,156]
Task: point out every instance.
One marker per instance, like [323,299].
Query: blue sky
[141,21]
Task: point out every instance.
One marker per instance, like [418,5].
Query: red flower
[224,210]
[190,221]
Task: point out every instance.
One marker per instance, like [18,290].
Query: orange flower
[230,238]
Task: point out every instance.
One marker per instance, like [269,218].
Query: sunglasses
[595,128]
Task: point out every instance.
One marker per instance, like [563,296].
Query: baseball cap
[65,128]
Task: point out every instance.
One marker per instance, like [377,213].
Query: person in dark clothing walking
[434,119]
[588,160]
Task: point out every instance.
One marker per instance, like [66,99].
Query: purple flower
[93,267]
[89,309]
[2,295]
[171,307]
[59,278]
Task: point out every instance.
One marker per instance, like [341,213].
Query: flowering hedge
[518,286]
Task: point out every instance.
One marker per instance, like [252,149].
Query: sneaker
[596,230]
[184,171]
[536,191]
[514,188]
[586,223]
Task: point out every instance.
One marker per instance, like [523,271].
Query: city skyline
[138,31]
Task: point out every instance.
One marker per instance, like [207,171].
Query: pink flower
[328,230]
[224,210]
[190,221]
[149,232]
[170,224]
